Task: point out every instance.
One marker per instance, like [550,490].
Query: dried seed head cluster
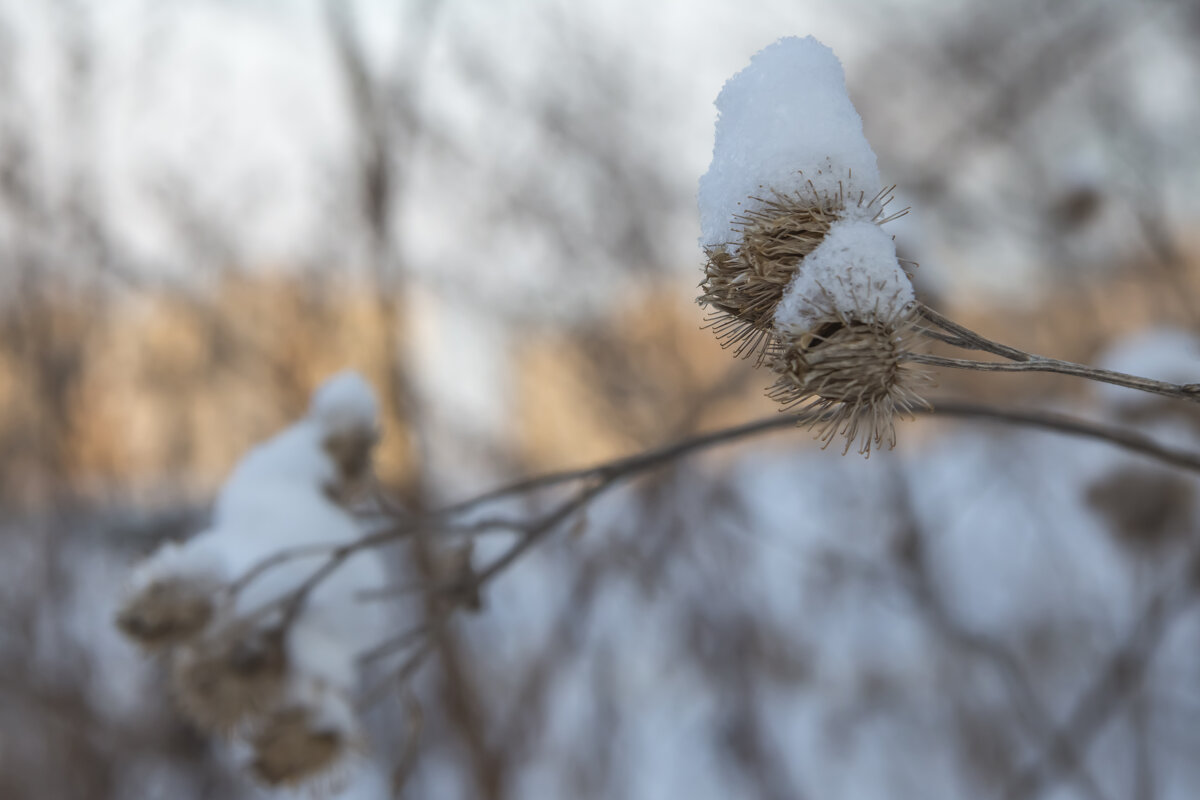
[258,649]
[799,274]
[813,289]
[745,280]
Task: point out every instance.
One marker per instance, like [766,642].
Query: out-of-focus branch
[600,478]
[382,183]
[1114,684]
[921,582]
[949,332]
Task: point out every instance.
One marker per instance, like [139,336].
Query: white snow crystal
[853,272]
[784,120]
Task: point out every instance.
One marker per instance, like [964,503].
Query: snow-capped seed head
[344,403]
[745,284]
[169,596]
[853,273]
[849,378]
[791,205]
[306,739]
[230,677]
[346,414]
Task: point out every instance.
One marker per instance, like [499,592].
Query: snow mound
[785,125]
[852,273]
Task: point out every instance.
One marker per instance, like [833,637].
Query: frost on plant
[262,642]
[799,275]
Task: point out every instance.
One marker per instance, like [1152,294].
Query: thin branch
[1124,438]
[398,676]
[1120,677]
[1190,391]
[395,644]
[961,336]
[1031,710]
[948,331]
[635,463]
[605,476]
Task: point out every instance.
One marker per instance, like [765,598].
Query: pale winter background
[489,210]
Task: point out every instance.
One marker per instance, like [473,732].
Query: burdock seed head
[306,739]
[167,612]
[169,597]
[745,280]
[230,677]
[848,377]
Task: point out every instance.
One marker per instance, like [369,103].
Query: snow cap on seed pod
[169,597]
[790,165]
[799,273]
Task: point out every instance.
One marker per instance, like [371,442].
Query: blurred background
[207,206]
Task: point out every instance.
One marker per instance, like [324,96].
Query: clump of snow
[785,125]
[852,273]
[344,403]
[342,408]
[173,561]
[289,461]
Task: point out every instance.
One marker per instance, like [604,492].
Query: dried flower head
[346,415]
[167,612]
[305,740]
[230,677]
[169,596]
[350,450]
[744,281]
[848,377]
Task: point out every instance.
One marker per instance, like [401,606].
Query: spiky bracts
[849,378]
[308,738]
[744,283]
[799,274]
[813,289]
[230,677]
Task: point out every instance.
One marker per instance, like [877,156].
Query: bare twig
[600,478]
[1190,391]
[1030,708]
[949,332]
[1124,438]
[1114,684]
